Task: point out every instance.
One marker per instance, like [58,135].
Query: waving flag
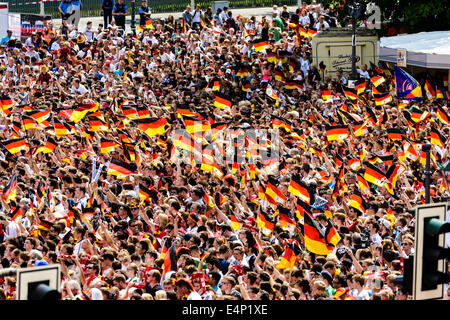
[9,192]
[406,87]
[290,255]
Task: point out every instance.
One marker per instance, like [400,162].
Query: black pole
[427,148]
[133,16]
[354,44]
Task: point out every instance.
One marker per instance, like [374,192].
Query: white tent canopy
[424,49]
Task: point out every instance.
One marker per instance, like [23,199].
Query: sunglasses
[405,244]
[89,267]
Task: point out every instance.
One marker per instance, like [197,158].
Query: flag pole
[426,148]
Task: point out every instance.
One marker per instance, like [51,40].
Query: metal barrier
[92,8]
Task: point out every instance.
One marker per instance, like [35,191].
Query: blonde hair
[160,295]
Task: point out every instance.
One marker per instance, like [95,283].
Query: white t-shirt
[194,296]
[80,90]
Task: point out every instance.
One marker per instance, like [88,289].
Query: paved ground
[258,12]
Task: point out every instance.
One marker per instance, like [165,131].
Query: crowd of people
[145,163]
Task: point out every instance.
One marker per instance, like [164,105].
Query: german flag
[350,93]
[260,44]
[6,104]
[430,92]
[194,125]
[15,145]
[360,128]
[272,93]
[170,260]
[9,192]
[299,189]
[50,145]
[315,240]
[394,171]
[357,201]
[39,115]
[395,133]
[236,222]
[152,127]
[211,166]
[284,216]
[377,80]
[363,185]
[326,94]
[290,255]
[271,56]
[213,85]
[79,113]
[121,169]
[353,162]
[45,225]
[149,24]
[441,93]
[97,124]
[360,86]
[381,99]
[243,72]
[107,146]
[279,76]
[30,123]
[144,192]
[186,111]
[294,84]
[275,193]
[280,122]
[416,114]
[331,235]
[337,132]
[442,115]
[311,32]
[265,222]
[374,175]
[222,102]
[437,138]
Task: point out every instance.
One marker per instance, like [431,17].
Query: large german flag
[315,240]
[15,145]
[443,115]
[337,132]
[80,112]
[374,175]
[260,44]
[222,102]
[280,122]
[290,255]
[9,192]
[299,189]
[437,138]
[107,146]
[39,115]
[121,169]
[152,127]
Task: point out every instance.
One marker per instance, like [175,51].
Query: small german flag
[145,194]
[290,255]
[39,115]
[350,93]
[337,132]
[331,236]
[149,24]
[360,86]
[50,145]
[377,80]
[186,111]
[441,93]
[80,112]
[271,56]
[382,99]
[311,32]
[222,102]
[294,84]
[284,216]
[9,192]
[360,128]
[437,138]
[45,225]
[236,222]
[299,189]
[416,114]
[326,94]
[15,145]
[442,115]
[121,169]
[275,193]
[374,175]
[395,133]
[363,185]
[315,240]
[260,44]
[30,123]
[394,171]
[107,146]
[245,85]
[265,222]
[152,127]
[279,76]
[357,201]
[280,122]
[243,72]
